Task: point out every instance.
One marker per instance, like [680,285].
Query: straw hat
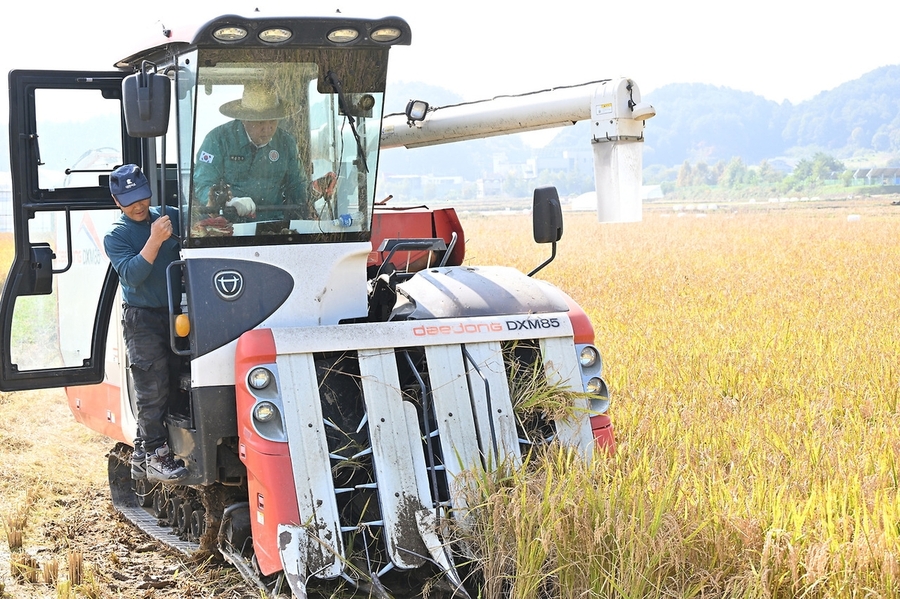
[258,103]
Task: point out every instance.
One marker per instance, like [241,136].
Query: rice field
[753,363]
[752,358]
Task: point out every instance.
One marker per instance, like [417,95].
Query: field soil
[53,491]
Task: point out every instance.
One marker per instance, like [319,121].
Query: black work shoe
[138,463]
[161,467]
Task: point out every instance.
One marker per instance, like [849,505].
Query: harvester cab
[340,369]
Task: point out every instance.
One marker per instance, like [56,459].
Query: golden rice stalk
[63,589]
[89,587]
[536,390]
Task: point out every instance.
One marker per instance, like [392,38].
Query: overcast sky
[780,49]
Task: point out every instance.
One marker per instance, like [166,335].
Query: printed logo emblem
[229,284]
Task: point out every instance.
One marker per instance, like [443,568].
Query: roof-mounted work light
[230,33]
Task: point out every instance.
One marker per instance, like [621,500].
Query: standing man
[140,245]
[254,157]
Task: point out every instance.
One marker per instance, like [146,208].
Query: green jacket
[270,175]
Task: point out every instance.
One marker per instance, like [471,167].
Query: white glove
[244,206]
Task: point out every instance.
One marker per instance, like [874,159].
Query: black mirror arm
[547,261]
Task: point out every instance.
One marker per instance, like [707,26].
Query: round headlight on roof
[230,33]
[385,34]
[343,35]
[275,35]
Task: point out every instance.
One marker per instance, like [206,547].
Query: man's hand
[219,195]
[244,206]
[161,229]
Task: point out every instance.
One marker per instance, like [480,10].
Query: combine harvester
[340,369]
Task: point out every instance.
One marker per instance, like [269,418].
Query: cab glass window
[47,331]
[285,146]
[79,135]
[185,92]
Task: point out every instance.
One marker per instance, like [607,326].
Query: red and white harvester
[339,369]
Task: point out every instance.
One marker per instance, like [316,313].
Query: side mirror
[547,215]
[547,221]
[146,98]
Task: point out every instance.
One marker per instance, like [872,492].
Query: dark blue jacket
[143,284]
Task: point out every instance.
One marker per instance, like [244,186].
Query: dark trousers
[150,363]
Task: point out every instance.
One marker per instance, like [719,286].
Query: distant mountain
[860,114]
[702,122]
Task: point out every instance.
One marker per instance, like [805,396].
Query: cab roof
[305,31]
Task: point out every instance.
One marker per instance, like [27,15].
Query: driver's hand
[244,206]
[219,195]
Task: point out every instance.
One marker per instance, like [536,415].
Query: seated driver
[249,163]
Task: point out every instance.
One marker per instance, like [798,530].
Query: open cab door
[66,136]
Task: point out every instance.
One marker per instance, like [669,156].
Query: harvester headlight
[259,378]
[275,35]
[385,34]
[343,35]
[589,356]
[596,386]
[416,110]
[230,33]
[265,411]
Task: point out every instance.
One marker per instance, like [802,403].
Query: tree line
[808,174]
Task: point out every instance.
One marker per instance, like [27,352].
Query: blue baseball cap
[129,185]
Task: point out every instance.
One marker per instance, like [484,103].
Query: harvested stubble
[76,567]
[14,539]
[24,567]
[755,368]
[50,572]
[15,529]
